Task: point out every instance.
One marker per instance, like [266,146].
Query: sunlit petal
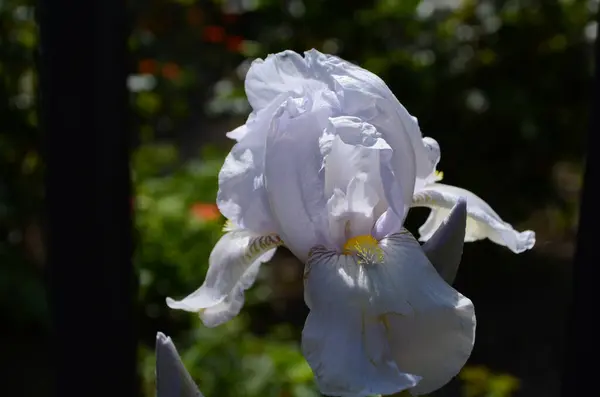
[233,266]
[366,96]
[437,338]
[242,197]
[391,289]
[284,72]
[362,95]
[482,221]
[343,341]
[293,172]
[352,148]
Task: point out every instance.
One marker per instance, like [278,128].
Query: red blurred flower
[147,66]
[205,211]
[171,71]
[234,43]
[214,34]
[230,18]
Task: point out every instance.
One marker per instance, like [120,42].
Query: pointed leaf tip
[444,249]
[172,379]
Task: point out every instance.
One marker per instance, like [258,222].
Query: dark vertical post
[582,344]
[84,118]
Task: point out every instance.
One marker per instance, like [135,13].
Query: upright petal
[482,221]
[284,72]
[233,266]
[362,94]
[354,149]
[242,197]
[366,96]
[293,172]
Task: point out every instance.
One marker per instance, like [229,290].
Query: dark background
[503,86]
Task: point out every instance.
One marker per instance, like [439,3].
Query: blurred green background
[504,86]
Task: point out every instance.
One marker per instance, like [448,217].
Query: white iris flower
[328,164]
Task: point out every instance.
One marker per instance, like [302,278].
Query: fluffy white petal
[242,197]
[343,342]
[482,221]
[427,327]
[293,172]
[352,147]
[366,96]
[362,94]
[233,266]
[284,72]
[344,161]
[436,339]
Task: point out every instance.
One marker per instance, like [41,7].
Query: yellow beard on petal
[365,248]
[229,226]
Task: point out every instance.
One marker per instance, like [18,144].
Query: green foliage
[234,362]
[481,382]
[173,247]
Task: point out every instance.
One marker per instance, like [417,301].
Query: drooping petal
[350,356]
[293,172]
[233,266]
[172,379]
[230,307]
[482,221]
[437,338]
[343,342]
[428,327]
[284,72]
[242,197]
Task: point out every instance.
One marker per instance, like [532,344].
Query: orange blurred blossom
[205,211]
[234,43]
[147,66]
[230,18]
[171,71]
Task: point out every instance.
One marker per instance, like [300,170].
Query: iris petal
[482,221]
[233,266]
